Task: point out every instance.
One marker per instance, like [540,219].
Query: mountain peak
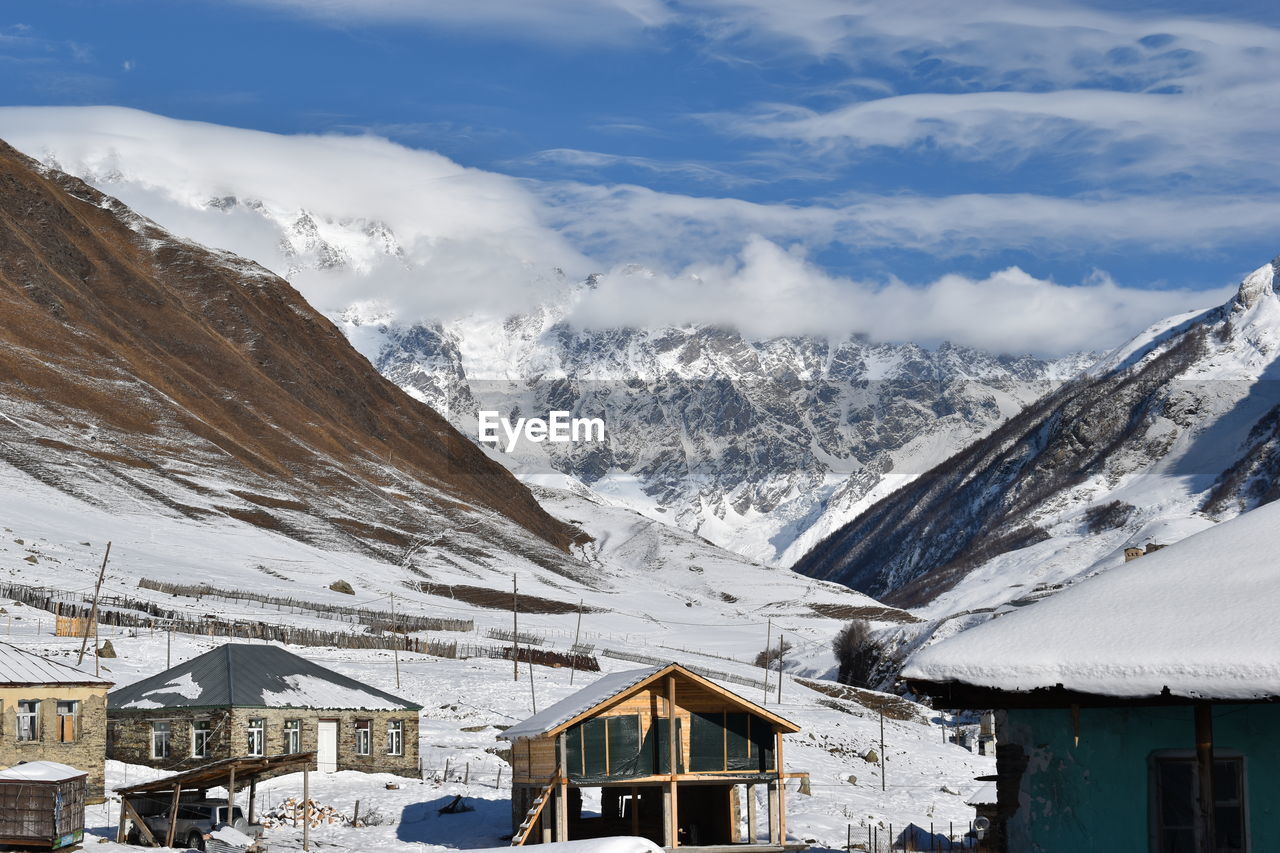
[1257,285]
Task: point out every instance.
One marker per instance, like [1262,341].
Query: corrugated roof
[253,676]
[19,666]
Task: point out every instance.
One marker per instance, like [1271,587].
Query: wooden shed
[42,805]
[701,789]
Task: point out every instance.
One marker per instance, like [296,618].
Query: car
[196,819]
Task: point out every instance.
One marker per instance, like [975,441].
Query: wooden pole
[573,655]
[253,797]
[93,611]
[1204,766]
[673,757]
[168,650]
[562,792]
[515,630]
[781,652]
[768,643]
[533,694]
[97,659]
[882,749]
[173,816]
[395,637]
[782,793]
[753,829]
[306,808]
[231,795]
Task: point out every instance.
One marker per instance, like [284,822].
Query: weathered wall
[87,752]
[131,736]
[1095,796]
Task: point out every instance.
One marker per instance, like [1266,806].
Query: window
[293,736]
[201,733]
[395,737]
[68,721]
[160,732]
[364,728]
[257,728]
[28,720]
[1175,791]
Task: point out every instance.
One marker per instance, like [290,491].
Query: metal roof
[21,667]
[217,773]
[252,676]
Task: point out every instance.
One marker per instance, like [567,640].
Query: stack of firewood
[291,813]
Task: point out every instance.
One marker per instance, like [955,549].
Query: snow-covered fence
[511,637]
[377,619]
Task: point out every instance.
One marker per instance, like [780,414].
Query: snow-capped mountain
[1168,434]
[760,446]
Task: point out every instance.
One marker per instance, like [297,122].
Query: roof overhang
[958,694]
[217,773]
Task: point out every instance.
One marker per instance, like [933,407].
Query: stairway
[531,817]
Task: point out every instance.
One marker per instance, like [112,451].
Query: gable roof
[20,667]
[577,706]
[252,676]
[1195,620]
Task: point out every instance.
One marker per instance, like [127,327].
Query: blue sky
[883,142]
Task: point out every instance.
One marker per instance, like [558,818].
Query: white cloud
[479,241]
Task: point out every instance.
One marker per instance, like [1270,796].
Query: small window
[28,720]
[292,736]
[201,733]
[160,736]
[364,728]
[395,737]
[257,731]
[68,721]
[1175,790]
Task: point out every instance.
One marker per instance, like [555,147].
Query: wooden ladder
[531,817]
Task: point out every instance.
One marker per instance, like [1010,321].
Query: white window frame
[1186,755]
[160,736]
[292,736]
[257,731]
[28,724]
[395,737]
[364,737]
[201,736]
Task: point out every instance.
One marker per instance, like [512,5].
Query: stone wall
[131,736]
[88,749]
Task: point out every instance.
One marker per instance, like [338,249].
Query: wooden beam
[136,819]
[635,810]
[231,795]
[753,829]
[173,816]
[306,809]
[1204,766]
[562,793]
[782,794]
[673,757]
[253,797]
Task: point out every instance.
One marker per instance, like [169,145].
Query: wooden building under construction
[717,784]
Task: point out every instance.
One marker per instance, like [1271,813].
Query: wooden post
[562,792]
[253,795]
[753,828]
[1204,766]
[173,816]
[93,611]
[781,652]
[515,630]
[773,813]
[768,641]
[782,791]
[231,795]
[673,757]
[573,655]
[168,649]
[881,749]
[635,810]
[306,808]
[136,820]
[735,814]
[395,638]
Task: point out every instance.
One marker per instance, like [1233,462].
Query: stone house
[247,700]
[50,711]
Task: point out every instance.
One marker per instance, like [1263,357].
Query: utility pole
[395,639]
[881,749]
[573,654]
[768,642]
[515,630]
[93,611]
[781,652]
[168,649]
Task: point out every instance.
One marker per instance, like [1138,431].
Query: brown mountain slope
[137,367]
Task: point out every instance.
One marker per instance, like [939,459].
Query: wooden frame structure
[227,773]
[685,791]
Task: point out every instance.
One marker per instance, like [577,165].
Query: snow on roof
[983,795]
[576,703]
[41,771]
[252,676]
[1198,618]
[19,666]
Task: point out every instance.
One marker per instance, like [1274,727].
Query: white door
[327,747]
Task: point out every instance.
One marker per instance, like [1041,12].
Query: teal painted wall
[1094,797]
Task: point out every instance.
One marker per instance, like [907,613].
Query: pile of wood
[292,813]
